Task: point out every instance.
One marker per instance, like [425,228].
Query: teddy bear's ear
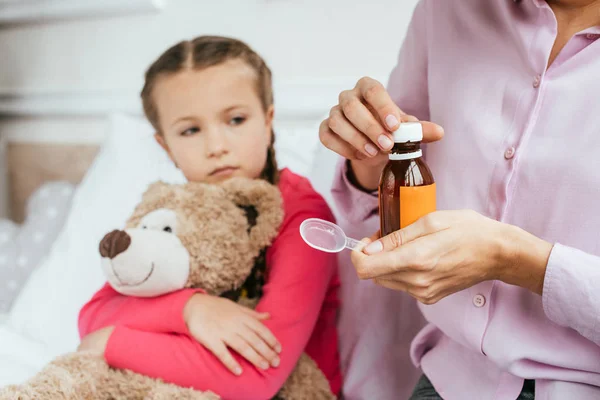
[152,199]
[156,189]
[263,205]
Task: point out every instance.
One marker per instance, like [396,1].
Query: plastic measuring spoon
[326,236]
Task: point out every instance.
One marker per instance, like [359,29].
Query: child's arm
[298,281]
[154,314]
[217,323]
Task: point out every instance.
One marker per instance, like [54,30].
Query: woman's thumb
[386,243]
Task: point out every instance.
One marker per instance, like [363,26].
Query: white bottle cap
[408,132]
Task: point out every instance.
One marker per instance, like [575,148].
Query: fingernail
[264,365]
[276,362]
[385,142]
[371,150]
[238,371]
[278,348]
[374,247]
[391,121]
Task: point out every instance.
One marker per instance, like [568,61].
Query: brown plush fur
[83,375]
[222,248]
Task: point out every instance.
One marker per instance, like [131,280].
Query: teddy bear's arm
[85,375]
[154,314]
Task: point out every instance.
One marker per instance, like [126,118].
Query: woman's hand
[219,323]
[96,341]
[359,129]
[448,251]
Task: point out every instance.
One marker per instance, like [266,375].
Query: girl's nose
[217,144]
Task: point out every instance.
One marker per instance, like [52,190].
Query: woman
[510,286]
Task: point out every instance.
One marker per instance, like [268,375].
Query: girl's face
[212,122]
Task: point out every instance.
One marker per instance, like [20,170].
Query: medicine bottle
[406,187]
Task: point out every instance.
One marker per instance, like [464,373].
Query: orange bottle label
[415,202]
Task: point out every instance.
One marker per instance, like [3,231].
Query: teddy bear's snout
[114,243]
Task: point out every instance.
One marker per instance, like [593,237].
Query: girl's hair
[203,52]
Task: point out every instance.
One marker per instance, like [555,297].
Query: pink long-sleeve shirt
[301,295]
[522,146]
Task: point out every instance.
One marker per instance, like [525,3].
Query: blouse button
[479,300]
[509,153]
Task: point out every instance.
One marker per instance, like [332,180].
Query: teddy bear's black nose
[114,243]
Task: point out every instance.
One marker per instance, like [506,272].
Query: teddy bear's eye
[144,227]
[168,229]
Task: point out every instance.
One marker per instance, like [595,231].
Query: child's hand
[218,323]
[96,341]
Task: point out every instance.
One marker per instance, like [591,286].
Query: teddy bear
[193,235]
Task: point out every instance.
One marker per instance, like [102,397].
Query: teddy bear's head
[192,235]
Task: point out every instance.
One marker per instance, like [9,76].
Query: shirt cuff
[176,310]
[570,295]
[353,204]
[120,344]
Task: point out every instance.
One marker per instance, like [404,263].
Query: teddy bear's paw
[306,382]
[71,376]
[32,392]
[303,394]
[81,362]
[167,392]
[13,392]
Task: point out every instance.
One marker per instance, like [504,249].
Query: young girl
[211,102]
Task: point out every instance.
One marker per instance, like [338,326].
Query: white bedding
[20,357]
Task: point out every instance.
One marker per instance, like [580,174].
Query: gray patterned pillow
[23,247]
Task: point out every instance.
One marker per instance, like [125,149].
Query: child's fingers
[258,315]
[220,351]
[261,347]
[265,334]
[245,349]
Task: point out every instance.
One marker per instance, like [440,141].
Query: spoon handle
[353,244]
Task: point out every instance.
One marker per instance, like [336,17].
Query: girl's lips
[225,171]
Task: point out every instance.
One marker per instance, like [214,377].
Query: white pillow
[295,145]
[23,247]
[47,308]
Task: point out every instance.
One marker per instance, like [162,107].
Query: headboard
[29,165]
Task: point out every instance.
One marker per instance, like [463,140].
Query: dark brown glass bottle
[406,188]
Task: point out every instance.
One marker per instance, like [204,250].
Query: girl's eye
[237,120]
[190,131]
